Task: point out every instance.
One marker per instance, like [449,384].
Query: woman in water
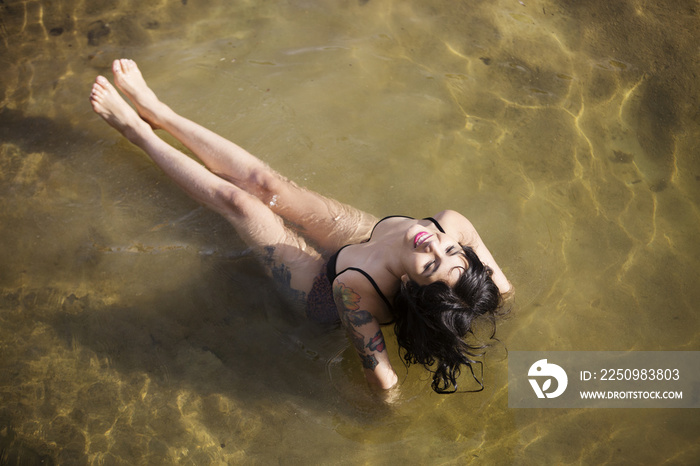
[431,277]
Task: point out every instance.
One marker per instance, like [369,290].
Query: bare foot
[108,104]
[129,80]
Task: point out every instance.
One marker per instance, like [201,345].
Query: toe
[101,83]
[126,66]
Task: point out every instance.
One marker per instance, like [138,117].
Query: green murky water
[135,329]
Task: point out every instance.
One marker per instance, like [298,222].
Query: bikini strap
[377,224]
[371,280]
[435,222]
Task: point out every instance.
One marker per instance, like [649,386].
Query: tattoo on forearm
[368,361]
[357,341]
[376,343]
[348,302]
[359,318]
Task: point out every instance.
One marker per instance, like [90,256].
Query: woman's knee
[265,184]
[231,201]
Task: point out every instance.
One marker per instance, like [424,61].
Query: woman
[363,272]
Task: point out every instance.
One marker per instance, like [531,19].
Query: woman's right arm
[454,221]
[364,331]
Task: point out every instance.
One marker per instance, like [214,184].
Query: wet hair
[432,322]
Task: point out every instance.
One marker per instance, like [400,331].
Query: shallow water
[566,131]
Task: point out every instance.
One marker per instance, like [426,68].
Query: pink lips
[421,238]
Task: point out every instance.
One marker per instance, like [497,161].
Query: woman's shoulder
[449,216]
[457,225]
[356,289]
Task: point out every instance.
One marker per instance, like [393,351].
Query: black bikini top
[330,266]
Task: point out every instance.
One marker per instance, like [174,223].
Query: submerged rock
[97,30]
[621,157]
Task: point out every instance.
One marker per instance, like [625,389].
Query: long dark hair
[433,320]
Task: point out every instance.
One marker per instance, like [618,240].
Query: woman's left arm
[452,222]
[363,329]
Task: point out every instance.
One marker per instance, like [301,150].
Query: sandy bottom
[135,328]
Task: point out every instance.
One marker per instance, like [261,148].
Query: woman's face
[433,256]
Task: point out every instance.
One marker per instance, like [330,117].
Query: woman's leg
[287,256]
[329,223]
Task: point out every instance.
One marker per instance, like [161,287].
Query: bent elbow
[382,381]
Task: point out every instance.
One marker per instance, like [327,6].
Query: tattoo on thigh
[282,276]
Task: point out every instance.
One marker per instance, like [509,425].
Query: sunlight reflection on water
[566,133]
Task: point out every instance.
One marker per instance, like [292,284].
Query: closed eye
[450,251]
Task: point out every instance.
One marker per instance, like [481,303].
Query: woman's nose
[434,248]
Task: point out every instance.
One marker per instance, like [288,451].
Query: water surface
[135,327]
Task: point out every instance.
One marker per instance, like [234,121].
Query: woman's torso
[366,263]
